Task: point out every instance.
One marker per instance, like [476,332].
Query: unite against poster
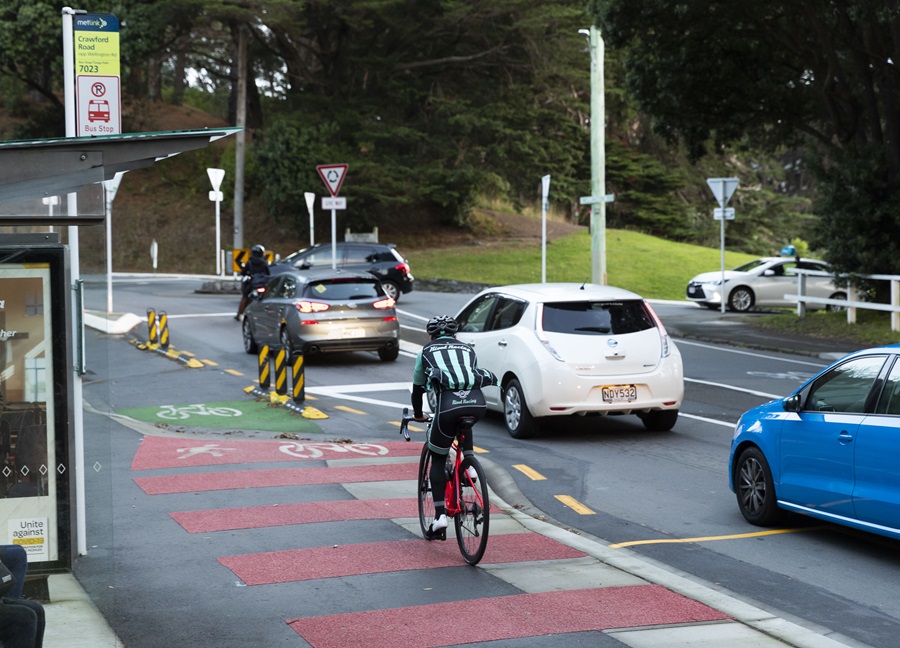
[28,468]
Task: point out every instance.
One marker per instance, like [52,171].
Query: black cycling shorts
[450,406]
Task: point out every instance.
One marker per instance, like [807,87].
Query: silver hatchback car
[322,311]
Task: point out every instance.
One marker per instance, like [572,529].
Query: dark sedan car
[322,311]
[381,259]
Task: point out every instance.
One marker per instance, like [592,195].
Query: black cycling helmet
[441,325]
[257,250]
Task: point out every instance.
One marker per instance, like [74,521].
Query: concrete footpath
[627,598]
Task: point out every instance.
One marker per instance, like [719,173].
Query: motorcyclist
[255,273]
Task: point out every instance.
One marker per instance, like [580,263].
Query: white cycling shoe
[438,528]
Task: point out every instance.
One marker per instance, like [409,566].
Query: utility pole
[241,122]
[598,198]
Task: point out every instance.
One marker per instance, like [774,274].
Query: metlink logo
[91,22]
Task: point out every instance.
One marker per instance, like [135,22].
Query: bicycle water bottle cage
[466,422]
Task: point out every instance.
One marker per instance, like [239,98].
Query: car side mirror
[791,403]
[306,265]
[768,273]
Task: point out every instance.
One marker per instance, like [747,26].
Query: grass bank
[649,266]
[652,267]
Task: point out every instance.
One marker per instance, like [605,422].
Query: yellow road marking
[479,450]
[410,427]
[187,353]
[531,473]
[575,505]
[233,372]
[348,409]
[736,536]
[208,363]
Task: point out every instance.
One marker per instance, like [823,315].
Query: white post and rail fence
[852,303]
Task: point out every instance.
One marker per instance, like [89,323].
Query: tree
[438,101]
[779,72]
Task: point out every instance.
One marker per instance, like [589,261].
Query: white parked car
[763,282]
[567,348]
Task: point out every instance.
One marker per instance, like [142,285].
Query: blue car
[830,450]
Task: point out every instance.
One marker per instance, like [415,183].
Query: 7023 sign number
[89,68]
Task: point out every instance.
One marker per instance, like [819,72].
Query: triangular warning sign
[333,176]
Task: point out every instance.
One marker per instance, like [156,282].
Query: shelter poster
[28,462]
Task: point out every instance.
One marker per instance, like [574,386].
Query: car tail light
[539,334]
[402,267]
[308,322]
[663,335]
[384,303]
[390,318]
[305,306]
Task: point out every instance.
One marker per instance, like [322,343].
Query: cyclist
[449,368]
[255,273]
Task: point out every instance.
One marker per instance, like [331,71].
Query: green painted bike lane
[225,415]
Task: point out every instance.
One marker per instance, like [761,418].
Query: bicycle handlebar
[404,423]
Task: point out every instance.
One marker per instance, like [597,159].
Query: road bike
[466,499]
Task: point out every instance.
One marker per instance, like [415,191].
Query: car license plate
[353,333]
[619,393]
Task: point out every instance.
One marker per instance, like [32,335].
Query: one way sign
[333,176]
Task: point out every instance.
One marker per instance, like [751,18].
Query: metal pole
[109,298]
[68,37]
[333,239]
[722,248]
[545,191]
[218,237]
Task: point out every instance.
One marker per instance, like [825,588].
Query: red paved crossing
[504,617]
[254,517]
[168,452]
[198,482]
[380,557]
[485,619]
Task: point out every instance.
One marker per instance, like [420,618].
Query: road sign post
[333,176]
[215,178]
[723,189]
[310,204]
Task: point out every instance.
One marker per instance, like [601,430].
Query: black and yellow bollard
[298,380]
[151,326]
[163,330]
[264,376]
[281,372]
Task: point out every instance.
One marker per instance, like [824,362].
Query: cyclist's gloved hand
[421,418]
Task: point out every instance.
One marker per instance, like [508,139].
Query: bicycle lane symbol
[182,412]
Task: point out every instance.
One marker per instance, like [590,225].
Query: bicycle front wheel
[473,520]
[426,501]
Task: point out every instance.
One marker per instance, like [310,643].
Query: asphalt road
[651,469]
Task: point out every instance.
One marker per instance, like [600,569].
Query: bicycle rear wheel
[473,520]
[426,501]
